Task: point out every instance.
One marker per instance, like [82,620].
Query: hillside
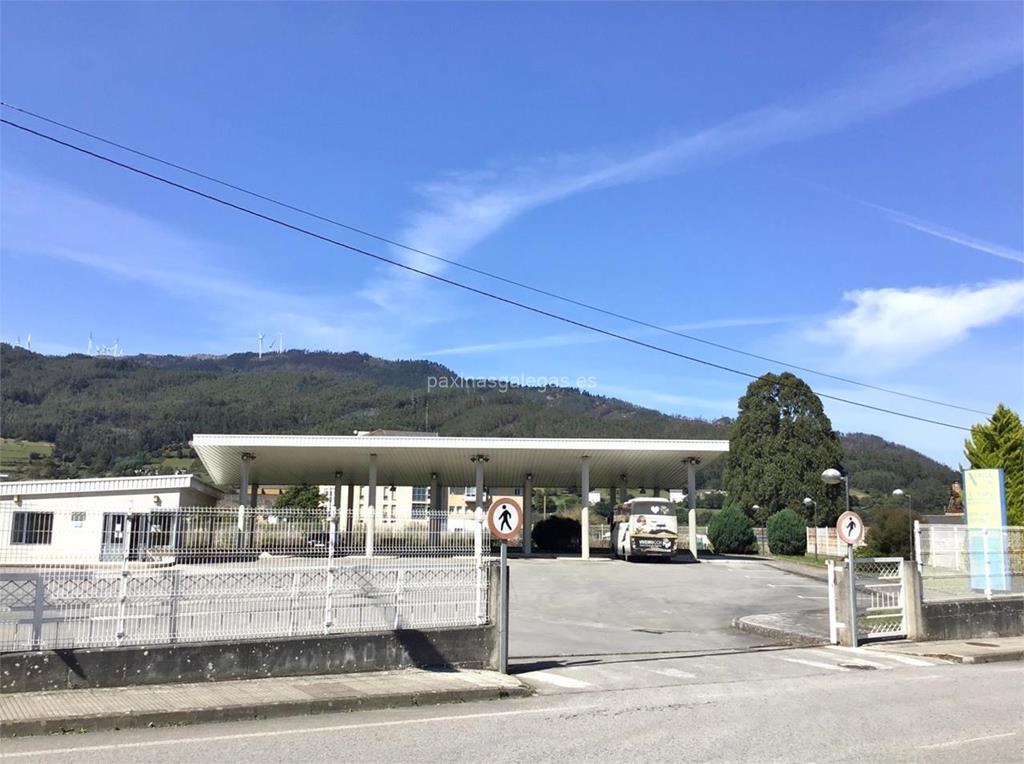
[121,415]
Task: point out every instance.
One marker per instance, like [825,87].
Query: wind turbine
[260,337]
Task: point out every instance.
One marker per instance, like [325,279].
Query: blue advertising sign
[985,516]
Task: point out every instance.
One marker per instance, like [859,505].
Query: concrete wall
[1002,616]
[459,647]
[972,619]
[468,647]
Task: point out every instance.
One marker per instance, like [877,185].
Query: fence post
[917,546]
[398,598]
[478,553]
[988,570]
[833,626]
[122,605]
[333,528]
[38,611]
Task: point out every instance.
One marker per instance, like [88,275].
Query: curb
[120,721]
[996,657]
[797,569]
[796,638]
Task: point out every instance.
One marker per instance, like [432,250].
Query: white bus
[644,527]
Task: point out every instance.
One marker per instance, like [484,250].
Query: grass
[802,559]
[16,455]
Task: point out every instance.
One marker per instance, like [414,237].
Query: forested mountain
[122,415]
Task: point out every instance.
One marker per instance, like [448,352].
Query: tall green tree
[778,447]
[1000,443]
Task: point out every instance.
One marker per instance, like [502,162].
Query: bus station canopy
[417,459]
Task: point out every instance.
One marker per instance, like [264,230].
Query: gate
[881,599]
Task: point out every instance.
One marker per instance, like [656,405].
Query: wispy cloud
[44,219]
[933,229]
[894,327]
[463,209]
[956,237]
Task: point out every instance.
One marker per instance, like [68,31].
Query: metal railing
[957,562]
[89,577]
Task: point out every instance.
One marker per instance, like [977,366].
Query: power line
[488,274]
[443,279]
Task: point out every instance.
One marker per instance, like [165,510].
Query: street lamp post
[810,503]
[910,516]
[832,476]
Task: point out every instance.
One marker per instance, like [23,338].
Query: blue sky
[837,185]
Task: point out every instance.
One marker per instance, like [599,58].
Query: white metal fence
[85,576]
[957,562]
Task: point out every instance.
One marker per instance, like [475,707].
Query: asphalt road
[934,713]
[639,663]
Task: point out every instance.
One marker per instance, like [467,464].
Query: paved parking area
[568,607]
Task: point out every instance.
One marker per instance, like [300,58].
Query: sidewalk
[980,650]
[39,713]
[809,627]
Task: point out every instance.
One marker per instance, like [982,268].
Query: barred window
[419,511]
[32,528]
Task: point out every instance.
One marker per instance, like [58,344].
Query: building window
[32,528]
[420,493]
[419,511]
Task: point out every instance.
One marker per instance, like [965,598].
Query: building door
[115,534]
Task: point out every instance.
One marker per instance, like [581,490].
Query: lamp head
[808,501]
[831,476]
[898,492]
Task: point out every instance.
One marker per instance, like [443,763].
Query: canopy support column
[371,504]
[691,502]
[528,515]
[243,495]
[478,513]
[585,508]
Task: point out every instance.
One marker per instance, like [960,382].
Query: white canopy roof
[411,460]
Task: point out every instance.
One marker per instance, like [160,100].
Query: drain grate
[982,644]
[858,666]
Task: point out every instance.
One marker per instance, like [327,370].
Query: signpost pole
[503,611]
[853,596]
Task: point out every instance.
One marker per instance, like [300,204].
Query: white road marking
[817,664]
[858,660]
[808,597]
[908,660]
[290,731]
[795,586]
[674,673]
[555,679]
[951,743]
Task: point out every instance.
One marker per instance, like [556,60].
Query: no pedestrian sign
[505,519]
[850,528]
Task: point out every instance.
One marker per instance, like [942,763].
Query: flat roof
[134,484]
[410,460]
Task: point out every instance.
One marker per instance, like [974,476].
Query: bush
[787,533]
[730,531]
[890,534]
[557,534]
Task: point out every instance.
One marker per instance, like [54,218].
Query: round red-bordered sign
[505,519]
[850,528]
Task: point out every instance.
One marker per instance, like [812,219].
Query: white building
[49,519]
